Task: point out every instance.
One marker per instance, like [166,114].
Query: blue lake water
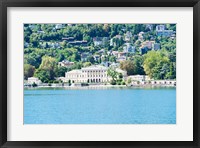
[100,106]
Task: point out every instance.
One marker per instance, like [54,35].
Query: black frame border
[4,4]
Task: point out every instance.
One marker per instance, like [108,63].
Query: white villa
[139,78]
[161,31]
[35,80]
[91,74]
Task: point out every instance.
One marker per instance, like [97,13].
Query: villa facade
[91,74]
[32,80]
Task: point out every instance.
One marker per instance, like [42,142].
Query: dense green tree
[27,33]
[138,65]
[156,65]
[28,71]
[113,74]
[49,65]
[60,71]
[112,58]
[128,66]
[43,75]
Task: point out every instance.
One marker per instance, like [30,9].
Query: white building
[55,45]
[59,26]
[91,74]
[129,48]
[139,78]
[149,26]
[32,80]
[128,36]
[161,31]
[100,41]
[85,56]
[148,44]
[114,40]
[65,63]
[140,36]
[160,27]
[121,59]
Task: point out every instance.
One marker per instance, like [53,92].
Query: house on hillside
[128,36]
[149,26]
[161,31]
[55,45]
[129,48]
[82,43]
[100,41]
[96,57]
[68,38]
[85,56]
[140,36]
[113,40]
[59,26]
[121,59]
[65,63]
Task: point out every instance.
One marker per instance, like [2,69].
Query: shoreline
[106,86]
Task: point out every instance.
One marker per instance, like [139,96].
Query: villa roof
[31,78]
[75,71]
[95,67]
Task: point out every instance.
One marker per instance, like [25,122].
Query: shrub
[123,83]
[55,81]
[118,83]
[34,84]
[113,82]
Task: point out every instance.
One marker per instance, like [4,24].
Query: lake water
[100,106]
